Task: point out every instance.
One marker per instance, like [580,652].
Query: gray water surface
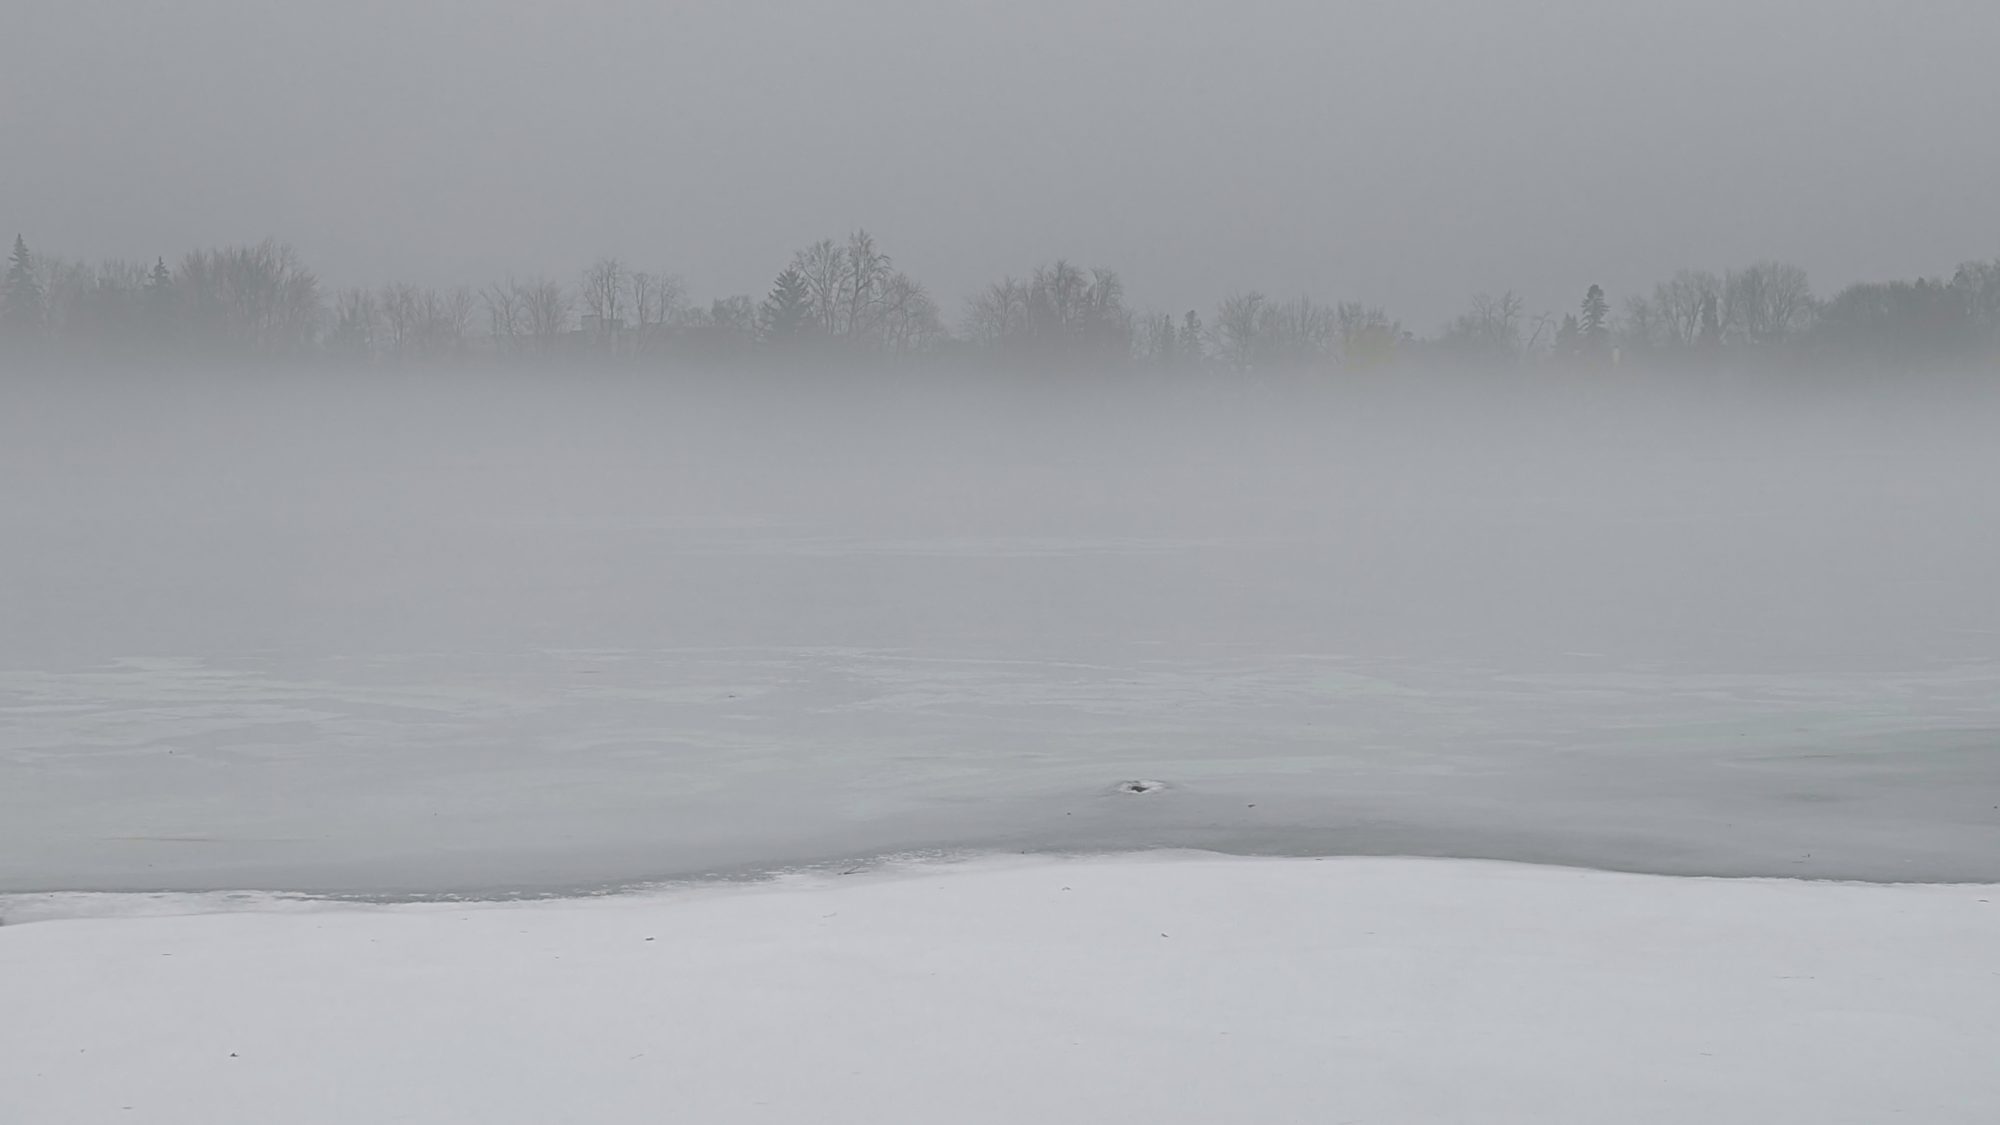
[392,645]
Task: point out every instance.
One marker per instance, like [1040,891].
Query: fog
[420,632]
[492,447]
[1403,155]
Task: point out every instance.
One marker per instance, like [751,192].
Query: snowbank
[1154,989]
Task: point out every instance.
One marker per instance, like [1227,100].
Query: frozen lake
[400,638]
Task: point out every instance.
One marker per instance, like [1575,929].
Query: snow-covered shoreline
[19,908]
[1158,988]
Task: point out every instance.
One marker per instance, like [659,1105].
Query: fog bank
[423,633]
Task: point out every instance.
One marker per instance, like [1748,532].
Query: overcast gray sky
[1405,153]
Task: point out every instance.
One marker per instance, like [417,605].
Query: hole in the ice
[1141,787]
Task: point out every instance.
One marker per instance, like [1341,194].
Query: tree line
[845,298]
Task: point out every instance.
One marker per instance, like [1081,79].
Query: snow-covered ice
[1151,990]
[549,771]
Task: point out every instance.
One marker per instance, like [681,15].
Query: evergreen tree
[21,300]
[788,312]
[1189,348]
[1568,339]
[1595,326]
[1163,344]
[160,298]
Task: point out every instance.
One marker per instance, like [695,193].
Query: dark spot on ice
[1141,787]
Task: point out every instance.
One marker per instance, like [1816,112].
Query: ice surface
[432,635]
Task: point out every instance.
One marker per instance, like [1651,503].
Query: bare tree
[602,293]
[86,306]
[402,317]
[1978,287]
[1060,313]
[455,308]
[656,299]
[1766,304]
[1298,333]
[506,314]
[910,320]
[998,317]
[1056,299]
[1236,325]
[862,288]
[1677,305]
[545,309]
[735,318]
[356,322]
[848,287]
[1489,333]
[1368,338]
[824,266]
[1640,328]
[1107,322]
[727,326]
[255,299]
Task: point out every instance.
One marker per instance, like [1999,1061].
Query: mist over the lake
[467,447]
[391,632]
